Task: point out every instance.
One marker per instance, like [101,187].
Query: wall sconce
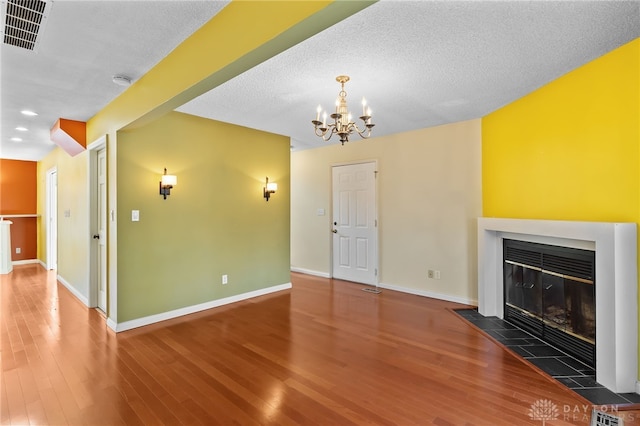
[166,183]
[269,188]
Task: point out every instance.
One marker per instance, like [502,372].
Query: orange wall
[18,185]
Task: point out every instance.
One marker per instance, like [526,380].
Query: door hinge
[376,225]
[376,272]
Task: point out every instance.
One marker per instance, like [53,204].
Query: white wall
[429,197]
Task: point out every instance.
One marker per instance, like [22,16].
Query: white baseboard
[73,291]
[152,319]
[44,265]
[24,262]
[430,294]
[311,272]
[638,388]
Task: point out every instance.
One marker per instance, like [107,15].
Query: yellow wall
[73,217]
[570,150]
[214,222]
[429,198]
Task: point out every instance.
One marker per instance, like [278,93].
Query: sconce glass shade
[272,187]
[166,183]
[169,180]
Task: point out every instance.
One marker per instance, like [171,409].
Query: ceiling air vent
[23,22]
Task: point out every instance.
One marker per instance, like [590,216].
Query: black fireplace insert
[550,292]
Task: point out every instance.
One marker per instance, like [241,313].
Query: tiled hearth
[562,367]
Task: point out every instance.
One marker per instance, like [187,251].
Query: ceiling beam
[238,38]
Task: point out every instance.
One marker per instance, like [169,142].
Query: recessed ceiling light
[21,129]
[121,80]
[16,139]
[29,113]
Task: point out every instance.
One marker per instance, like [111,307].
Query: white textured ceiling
[422,63]
[418,63]
[83,44]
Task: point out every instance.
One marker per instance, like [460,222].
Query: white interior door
[101,211]
[52,219]
[355,225]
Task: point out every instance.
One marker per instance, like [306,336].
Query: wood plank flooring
[322,353]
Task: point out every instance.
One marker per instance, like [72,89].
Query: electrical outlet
[436,275]
[430,273]
[225,279]
[18,250]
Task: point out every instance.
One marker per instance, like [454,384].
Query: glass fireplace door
[523,287]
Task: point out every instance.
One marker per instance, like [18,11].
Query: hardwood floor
[322,353]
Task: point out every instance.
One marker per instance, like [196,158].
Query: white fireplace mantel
[616,284]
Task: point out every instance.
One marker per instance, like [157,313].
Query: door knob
[335,231]
[96,237]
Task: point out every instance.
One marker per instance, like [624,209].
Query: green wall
[215,221]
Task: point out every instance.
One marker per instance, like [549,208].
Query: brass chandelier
[342,124]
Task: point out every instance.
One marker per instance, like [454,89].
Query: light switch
[135,215]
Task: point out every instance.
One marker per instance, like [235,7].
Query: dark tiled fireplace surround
[614,379]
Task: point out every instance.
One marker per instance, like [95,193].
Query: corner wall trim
[73,291]
[311,272]
[111,324]
[430,294]
[152,319]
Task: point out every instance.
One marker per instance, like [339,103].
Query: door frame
[94,270]
[52,220]
[377,207]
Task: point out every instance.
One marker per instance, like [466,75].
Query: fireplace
[550,292]
[615,284]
